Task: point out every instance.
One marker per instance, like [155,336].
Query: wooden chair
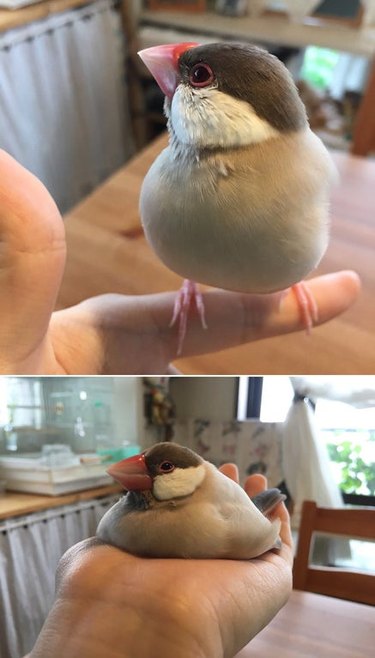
[350,584]
[130,18]
[364,129]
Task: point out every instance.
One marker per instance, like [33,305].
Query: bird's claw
[187,293]
[307,305]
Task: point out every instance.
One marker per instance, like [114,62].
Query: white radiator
[30,548]
[63,100]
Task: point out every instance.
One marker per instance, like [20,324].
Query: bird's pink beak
[162,62]
[132,473]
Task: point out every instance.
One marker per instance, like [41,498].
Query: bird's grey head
[163,472]
[229,95]
[163,458]
[176,471]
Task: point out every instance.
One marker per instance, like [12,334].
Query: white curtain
[63,100]
[30,548]
[306,464]
[357,390]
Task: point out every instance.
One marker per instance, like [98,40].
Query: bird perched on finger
[239,198]
[179,505]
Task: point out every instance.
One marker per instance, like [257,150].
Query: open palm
[194,608]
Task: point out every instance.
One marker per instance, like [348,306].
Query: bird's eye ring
[201,75]
[166,467]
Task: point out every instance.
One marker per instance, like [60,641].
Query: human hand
[116,334]
[116,604]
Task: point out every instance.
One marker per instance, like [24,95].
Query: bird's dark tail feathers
[267,500]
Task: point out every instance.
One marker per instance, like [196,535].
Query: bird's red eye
[201,75]
[166,467]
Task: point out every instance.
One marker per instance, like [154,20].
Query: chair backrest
[351,584]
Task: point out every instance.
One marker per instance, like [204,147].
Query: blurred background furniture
[352,585]
[364,129]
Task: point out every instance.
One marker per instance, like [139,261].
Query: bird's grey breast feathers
[251,219]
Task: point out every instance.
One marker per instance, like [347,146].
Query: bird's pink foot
[307,305]
[187,294]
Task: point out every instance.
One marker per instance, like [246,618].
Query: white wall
[204,397]
[128,420]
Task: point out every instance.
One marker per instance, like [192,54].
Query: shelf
[16,504]
[268,29]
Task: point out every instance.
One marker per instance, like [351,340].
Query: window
[349,434]
[267,398]
[249,397]
[348,431]
[21,406]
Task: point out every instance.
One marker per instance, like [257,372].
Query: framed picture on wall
[177,5]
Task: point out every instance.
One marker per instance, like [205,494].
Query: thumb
[32,258]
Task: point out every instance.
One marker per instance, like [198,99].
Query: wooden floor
[107,252]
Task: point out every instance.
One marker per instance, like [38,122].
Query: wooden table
[107,252]
[314,626]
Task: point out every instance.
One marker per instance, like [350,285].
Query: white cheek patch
[181,482]
[210,118]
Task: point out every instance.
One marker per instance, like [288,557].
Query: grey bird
[180,505]
[240,197]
